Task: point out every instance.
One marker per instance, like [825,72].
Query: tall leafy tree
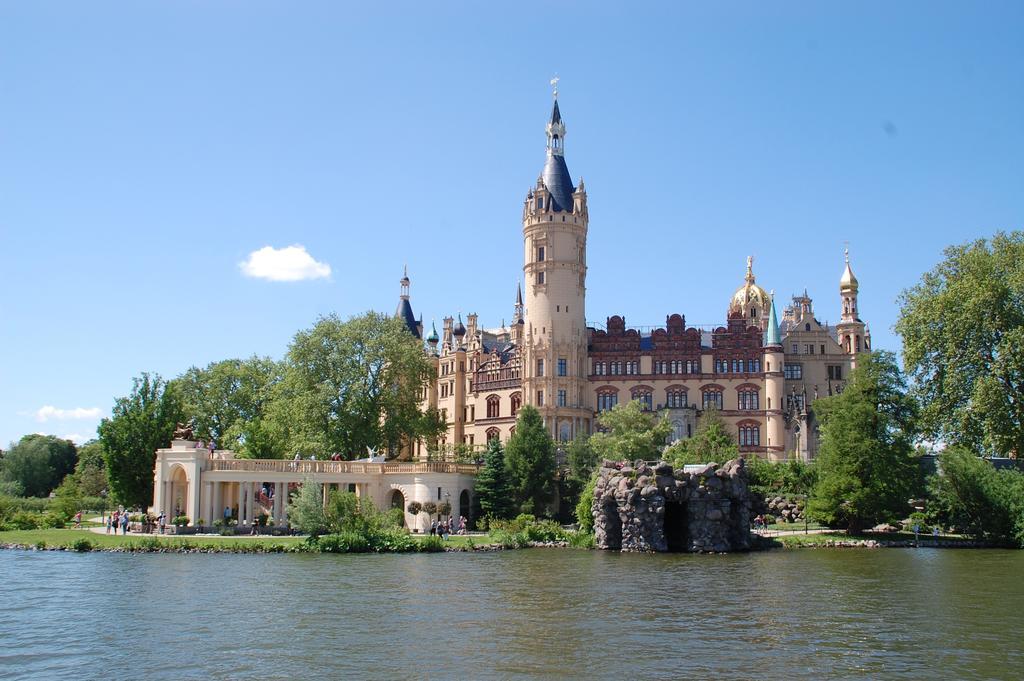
[630,433]
[492,486]
[38,463]
[228,401]
[140,423]
[350,385]
[973,496]
[867,468]
[530,457]
[91,470]
[963,344]
[712,442]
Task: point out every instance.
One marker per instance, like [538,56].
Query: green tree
[229,401]
[492,489]
[630,433]
[91,471]
[38,463]
[140,423]
[306,509]
[530,458]
[963,344]
[352,385]
[584,507]
[712,442]
[971,495]
[867,468]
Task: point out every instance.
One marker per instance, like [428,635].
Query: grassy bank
[84,540]
[871,539]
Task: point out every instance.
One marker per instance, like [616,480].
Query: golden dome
[750,294]
[848,281]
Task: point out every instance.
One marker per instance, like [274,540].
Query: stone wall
[642,508]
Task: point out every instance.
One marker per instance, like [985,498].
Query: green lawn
[798,540]
[55,538]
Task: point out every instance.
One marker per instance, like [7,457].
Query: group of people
[445,528]
[118,518]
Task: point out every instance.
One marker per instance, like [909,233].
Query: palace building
[760,372]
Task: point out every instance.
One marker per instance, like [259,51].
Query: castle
[760,373]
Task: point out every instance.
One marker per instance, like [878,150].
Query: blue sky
[147,149]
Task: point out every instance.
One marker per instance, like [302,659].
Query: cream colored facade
[203,485]
[761,374]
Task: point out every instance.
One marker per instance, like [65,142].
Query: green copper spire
[432,338]
[771,334]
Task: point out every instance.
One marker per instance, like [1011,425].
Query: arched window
[711,397]
[747,398]
[607,399]
[643,394]
[493,434]
[675,398]
[493,406]
[517,401]
[750,436]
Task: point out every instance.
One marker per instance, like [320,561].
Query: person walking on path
[124,523]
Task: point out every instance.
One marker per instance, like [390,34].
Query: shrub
[544,531]
[344,542]
[180,521]
[40,545]
[509,540]
[769,519]
[82,544]
[582,540]
[584,507]
[393,540]
[431,544]
[414,507]
[444,508]
[429,507]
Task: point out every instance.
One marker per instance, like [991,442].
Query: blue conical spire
[771,334]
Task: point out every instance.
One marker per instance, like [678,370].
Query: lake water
[893,613]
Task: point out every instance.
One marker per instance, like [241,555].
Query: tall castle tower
[851,330]
[555,270]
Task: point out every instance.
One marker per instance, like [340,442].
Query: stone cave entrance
[613,526]
[677,527]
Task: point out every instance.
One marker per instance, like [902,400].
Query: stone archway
[465,506]
[177,497]
[398,501]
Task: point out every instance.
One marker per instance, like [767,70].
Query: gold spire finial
[750,268]
[554,86]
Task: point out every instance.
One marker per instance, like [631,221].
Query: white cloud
[291,263]
[48,412]
[77,438]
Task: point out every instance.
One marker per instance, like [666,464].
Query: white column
[241,502]
[251,505]
[284,502]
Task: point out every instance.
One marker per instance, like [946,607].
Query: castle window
[748,400]
[796,349]
[540,367]
[540,277]
[835,373]
[606,401]
[540,254]
[561,398]
[754,366]
[644,397]
[807,326]
[809,349]
[692,366]
[540,398]
[750,436]
[493,434]
[562,366]
[823,348]
[676,398]
[599,368]
[632,367]
[712,398]
[616,368]
[795,401]
[493,407]
[517,401]
[793,371]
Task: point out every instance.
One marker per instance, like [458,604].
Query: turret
[850,329]
[404,311]
[775,384]
[555,221]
